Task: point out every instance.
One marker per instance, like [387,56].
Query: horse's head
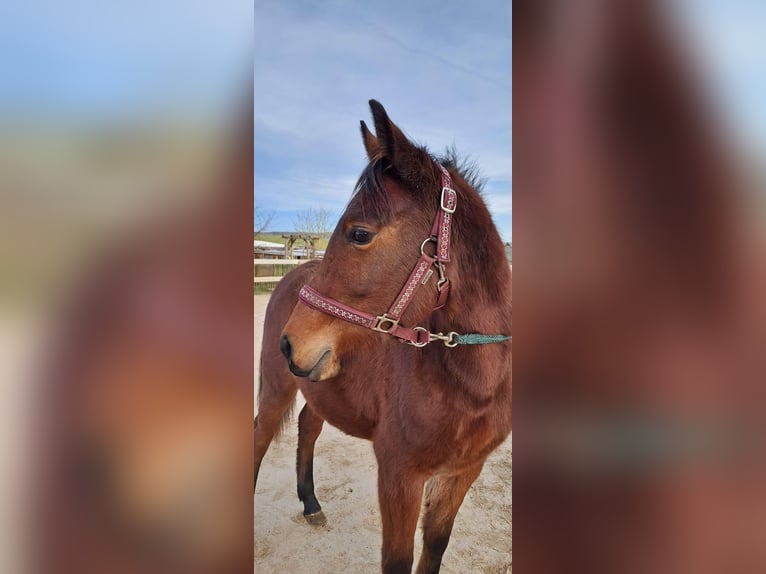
[371,252]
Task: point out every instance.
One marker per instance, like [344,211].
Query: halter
[388,322]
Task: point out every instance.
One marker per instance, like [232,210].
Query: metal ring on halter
[415,344]
[423,245]
[385,324]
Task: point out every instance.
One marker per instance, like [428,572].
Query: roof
[267,244]
[297,252]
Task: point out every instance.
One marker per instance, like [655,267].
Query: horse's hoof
[316,519]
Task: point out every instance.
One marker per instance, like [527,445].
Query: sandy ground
[344,473]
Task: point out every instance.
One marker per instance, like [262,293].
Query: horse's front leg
[309,427]
[444,495]
[400,493]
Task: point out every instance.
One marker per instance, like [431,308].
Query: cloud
[500,203]
[317,65]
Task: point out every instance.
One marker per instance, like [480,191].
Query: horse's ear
[411,162]
[390,138]
[370,141]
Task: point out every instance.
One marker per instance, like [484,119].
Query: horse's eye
[360,236]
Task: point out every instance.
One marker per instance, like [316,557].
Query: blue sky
[441,69]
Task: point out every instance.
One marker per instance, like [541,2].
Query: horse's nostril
[285,347]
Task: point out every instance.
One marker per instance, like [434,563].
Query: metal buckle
[385,324]
[444,207]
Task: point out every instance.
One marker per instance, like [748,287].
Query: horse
[429,381]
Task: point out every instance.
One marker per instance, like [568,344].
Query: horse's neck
[480,275]
[479,302]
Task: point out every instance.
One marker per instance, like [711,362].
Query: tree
[312,221]
[261,220]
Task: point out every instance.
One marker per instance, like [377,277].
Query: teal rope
[477,339]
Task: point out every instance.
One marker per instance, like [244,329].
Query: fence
[268,272]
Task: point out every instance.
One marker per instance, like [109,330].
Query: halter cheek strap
[442,227]
[441,232]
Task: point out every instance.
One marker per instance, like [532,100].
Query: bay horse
[434,397]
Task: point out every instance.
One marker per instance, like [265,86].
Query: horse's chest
[342,406]
[447,434]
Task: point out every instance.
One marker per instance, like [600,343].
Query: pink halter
[388,322]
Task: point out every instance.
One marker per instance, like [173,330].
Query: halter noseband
[441,231]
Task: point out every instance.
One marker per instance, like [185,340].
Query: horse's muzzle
[314,373]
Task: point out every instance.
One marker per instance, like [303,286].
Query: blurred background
[109,113]
[123,127]
[640,267]
[725,47]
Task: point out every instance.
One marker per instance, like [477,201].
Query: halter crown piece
[388,323]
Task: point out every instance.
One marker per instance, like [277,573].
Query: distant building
[272,250]
[268,250]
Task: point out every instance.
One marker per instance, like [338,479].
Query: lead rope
[478,339]
[453,339]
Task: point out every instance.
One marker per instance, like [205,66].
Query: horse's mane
[374,197]
[466,166]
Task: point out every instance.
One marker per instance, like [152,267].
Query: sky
[441,69]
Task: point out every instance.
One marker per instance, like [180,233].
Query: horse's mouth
[314,374]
